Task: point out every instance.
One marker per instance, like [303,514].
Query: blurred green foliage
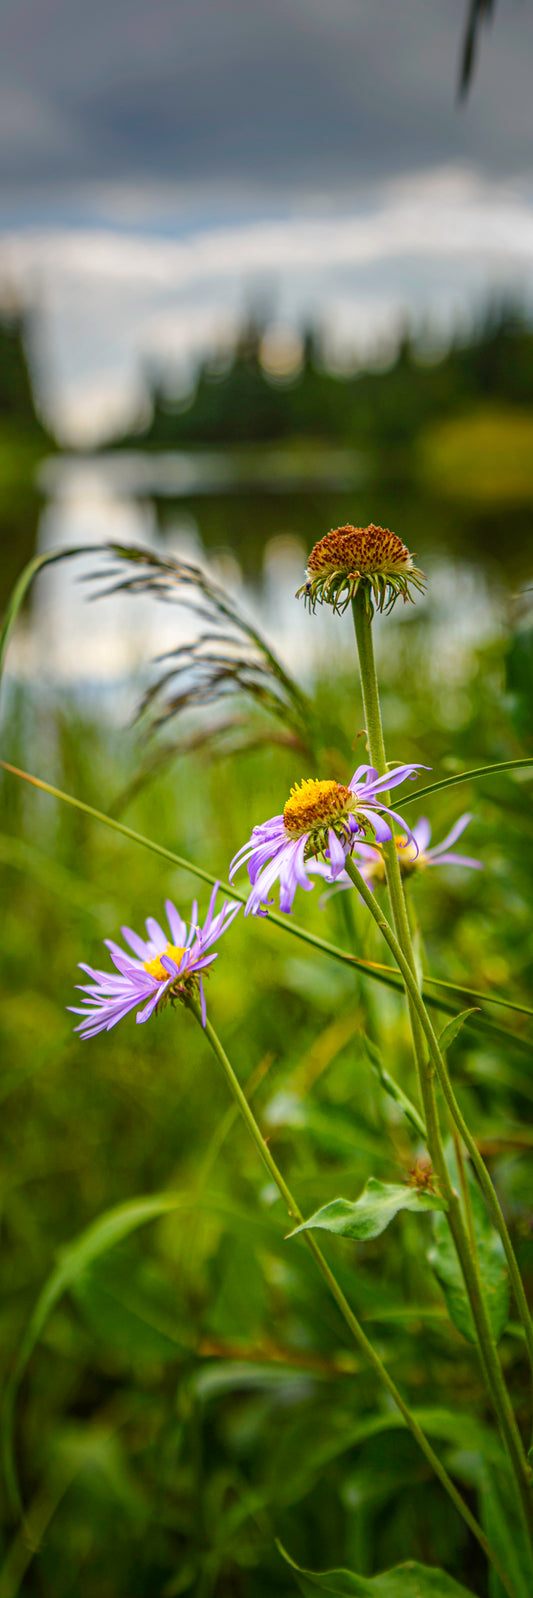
[193,1392]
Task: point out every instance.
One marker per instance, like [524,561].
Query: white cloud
[429,244]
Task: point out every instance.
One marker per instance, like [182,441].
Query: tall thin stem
[496,1384]
[370,691]
[356,1329]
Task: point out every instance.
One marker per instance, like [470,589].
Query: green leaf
[492,1265]
[372,1212]
[410,1580]
[453,1027]
[506,1531]
[131,1309]
[392,1088]
[109,1229]
[306,1450]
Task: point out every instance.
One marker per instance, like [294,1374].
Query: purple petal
[144,1015]
[292,874]
[123,962]
[155,932]
[136,943]
[170,965]
[194,923]
[451,837]
[202,1002]
[403,824]
[177,926]
[211,908]
[393,778]
[458,860]
[422,833]
[337,854]
[107,977]
[377,822]
[368,772]
[221,922]
[265,881]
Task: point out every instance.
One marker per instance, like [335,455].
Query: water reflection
[251,521]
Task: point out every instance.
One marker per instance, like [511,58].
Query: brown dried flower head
[349,558]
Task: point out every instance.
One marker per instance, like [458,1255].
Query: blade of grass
[466,776]
[104,1233]
[472,993]
[25,580]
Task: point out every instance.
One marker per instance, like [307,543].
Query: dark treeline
[24,439]
[242,401]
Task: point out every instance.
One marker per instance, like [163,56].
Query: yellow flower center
[406,850]
[315,804]
[360,552]
[155,968]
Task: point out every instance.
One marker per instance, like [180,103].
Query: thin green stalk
[498,1390]
[356,1329]
[369,685]
[465,1192]
[23,583]
[469,776]
[493,1204]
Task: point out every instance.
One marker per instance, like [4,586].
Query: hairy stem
[372,708]
[356,1329]
[402,949]
[498,1391]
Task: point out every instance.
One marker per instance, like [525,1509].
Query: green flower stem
[465,1191]
[359,1335]
[370,691]
[489,1356]
[493,1205]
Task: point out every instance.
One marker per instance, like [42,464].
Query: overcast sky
[160,160]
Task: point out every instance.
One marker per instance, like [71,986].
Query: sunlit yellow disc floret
[155,968]
[315,803]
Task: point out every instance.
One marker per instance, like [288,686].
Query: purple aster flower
[321,819]
[164,969]
[413,855]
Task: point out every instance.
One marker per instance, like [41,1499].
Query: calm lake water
[250,520]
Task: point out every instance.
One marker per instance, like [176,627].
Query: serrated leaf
[392,1088]
[409,1580]
[492,1266]
[453,1027]
[372,1211]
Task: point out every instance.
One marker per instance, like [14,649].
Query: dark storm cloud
[239,92]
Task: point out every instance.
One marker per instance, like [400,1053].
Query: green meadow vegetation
[181,1390]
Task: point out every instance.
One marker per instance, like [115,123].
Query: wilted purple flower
[413,855]
[165,969]
[321,819]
